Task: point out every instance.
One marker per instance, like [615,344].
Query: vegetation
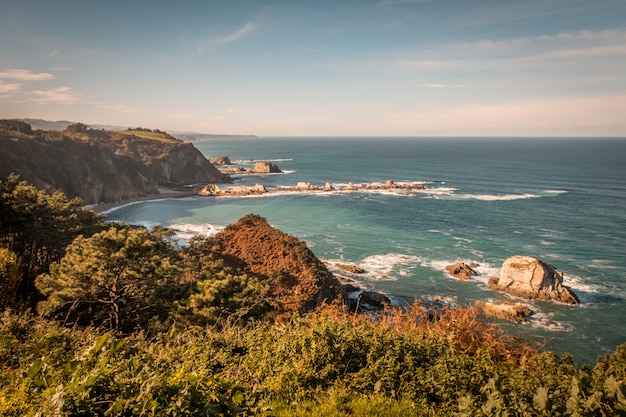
[154,134]
[131,324]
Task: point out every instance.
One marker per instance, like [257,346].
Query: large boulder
[265,167]
[531,278]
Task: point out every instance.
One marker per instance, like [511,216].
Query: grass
[157,136]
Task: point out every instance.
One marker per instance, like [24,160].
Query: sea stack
[531,278]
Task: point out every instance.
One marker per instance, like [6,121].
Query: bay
[562,200]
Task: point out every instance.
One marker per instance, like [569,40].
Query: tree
[120,278]
[9,277]
[216,290]
[38,226]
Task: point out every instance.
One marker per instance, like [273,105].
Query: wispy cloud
[60,95]
[232,37]
[9,90]
[25,75]
[241,33]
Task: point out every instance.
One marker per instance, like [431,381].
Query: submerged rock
[531,278]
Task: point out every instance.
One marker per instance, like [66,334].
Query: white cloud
[235,36]
[25,75]
[241,33]
[9,90]
[60,95]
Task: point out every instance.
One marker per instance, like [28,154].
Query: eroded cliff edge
[101,166]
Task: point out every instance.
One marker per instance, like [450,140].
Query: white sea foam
[556,191]
[186,231]
[545,321]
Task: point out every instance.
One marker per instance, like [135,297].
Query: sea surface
[562,200]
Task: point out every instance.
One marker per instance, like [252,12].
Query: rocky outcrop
[461,271]
[531,278]
[299,280]
[239,191]
[353,269]
[515,312]
[374,299]
[221,160]
[389,185]
[265,167]
[101,166]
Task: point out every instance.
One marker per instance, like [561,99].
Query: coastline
[164,192]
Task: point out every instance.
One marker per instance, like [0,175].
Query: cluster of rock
[257,189]
[520,276]
[225,166]
[388,185]
[239,191]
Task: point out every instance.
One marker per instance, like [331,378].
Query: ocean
[562,200]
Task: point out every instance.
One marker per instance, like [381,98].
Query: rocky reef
[301,187]
[531,278]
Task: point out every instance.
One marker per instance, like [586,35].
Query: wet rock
[461,271]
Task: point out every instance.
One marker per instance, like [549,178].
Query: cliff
[101,166]
[299,281]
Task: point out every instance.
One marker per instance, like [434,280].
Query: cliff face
[100,166]
[299,280]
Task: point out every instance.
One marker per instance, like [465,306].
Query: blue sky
[375,68]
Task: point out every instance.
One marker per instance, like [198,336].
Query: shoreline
[164,193]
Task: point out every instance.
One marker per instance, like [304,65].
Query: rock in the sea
[221,160]
[528,277]
[516,312]
[353,269]
[265,167]
[374,299]
[461,271]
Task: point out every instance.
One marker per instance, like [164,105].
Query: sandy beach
[164,192]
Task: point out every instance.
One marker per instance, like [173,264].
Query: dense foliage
[133,325]
[37,227]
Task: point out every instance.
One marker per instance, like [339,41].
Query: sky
[320,68]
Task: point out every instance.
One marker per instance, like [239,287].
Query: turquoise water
[561,200]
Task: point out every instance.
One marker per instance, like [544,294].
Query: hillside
[101,166]
[299,280]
